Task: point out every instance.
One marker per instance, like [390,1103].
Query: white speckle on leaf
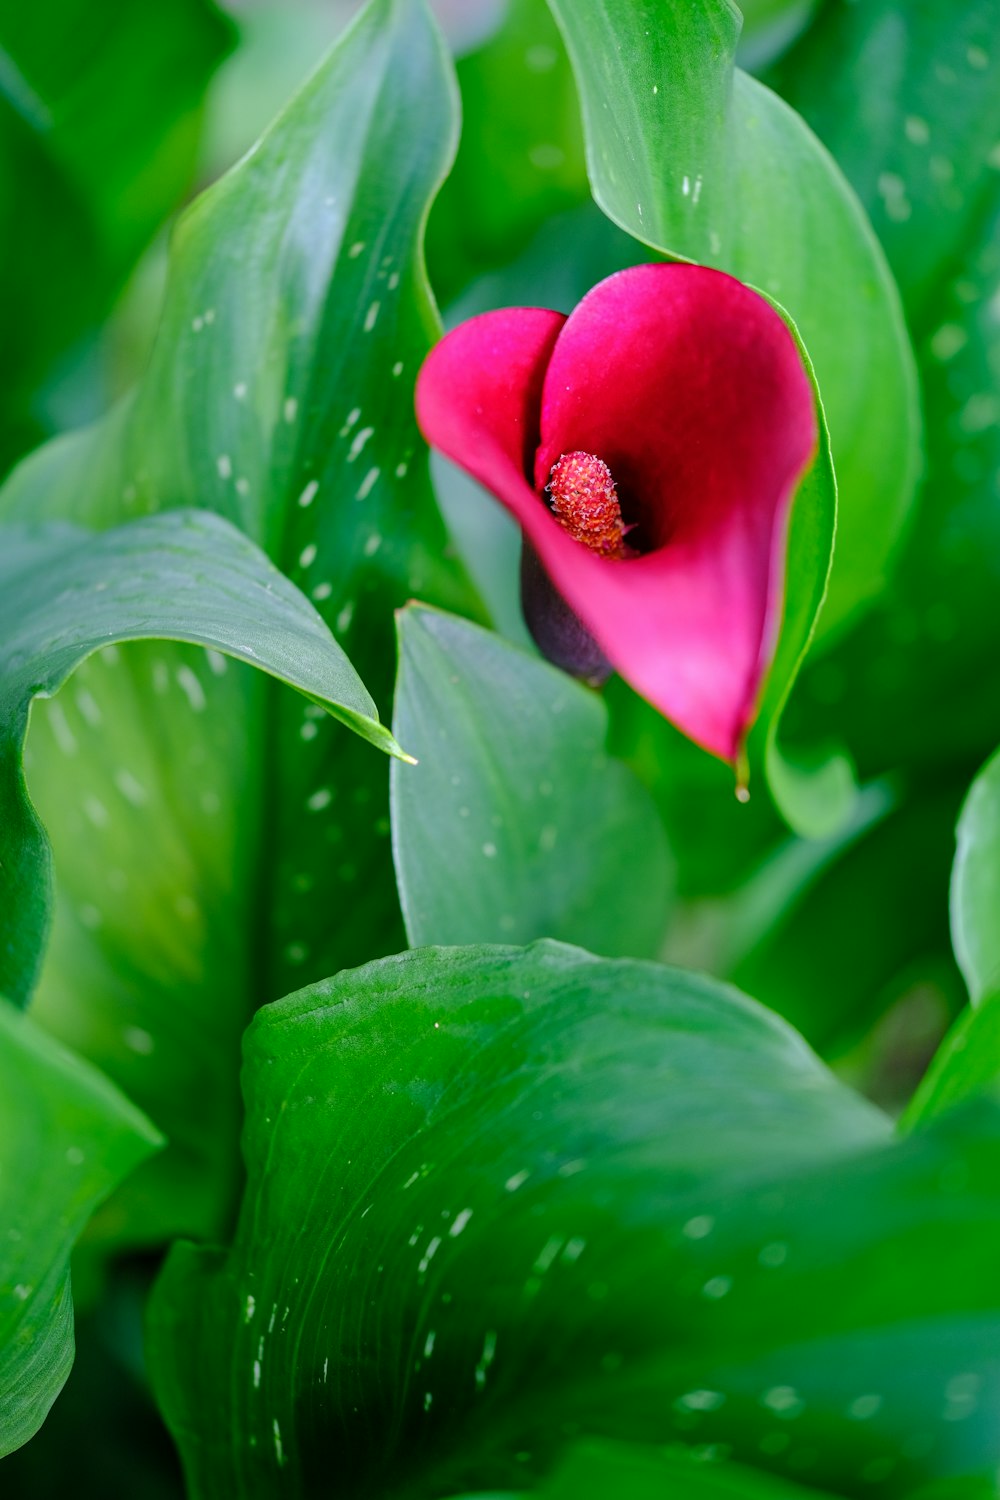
[137,1040]
[864,1407]
[307,556]
[61,731]
[356,249]
[322,591]
[698,1227]
[716,1287]
[361,438]
[368,484]
[784,1401]
[133,791]
[319,799]
[290,410]
[191,688]
[371,316]
[308,495]
[87,705]
[461,1219]
[96,812]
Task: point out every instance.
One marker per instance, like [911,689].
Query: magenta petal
[690,387]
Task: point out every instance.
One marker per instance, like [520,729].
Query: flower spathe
[689,391]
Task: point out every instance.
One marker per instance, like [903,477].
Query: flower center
[584,501]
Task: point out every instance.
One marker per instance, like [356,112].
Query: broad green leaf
[98,136]
[515,824]
[482,1193]
[906,97]
[918,683]
[975,884]
[279,395]
[700,161]
[67,1138]
[183,575]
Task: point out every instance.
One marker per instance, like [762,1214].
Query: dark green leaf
[699,160]
[521,155]
[918,684]
[515,824]
[280,395]
[67,1138]
[99,122]
[482,1192]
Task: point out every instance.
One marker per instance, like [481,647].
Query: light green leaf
[280,396]
[483,1189]
[67,1138]
[184,575]
[967,1063]
[700,161]
[515,824]
[975,884]
[600,1471]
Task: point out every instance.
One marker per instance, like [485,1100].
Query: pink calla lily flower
[650,446]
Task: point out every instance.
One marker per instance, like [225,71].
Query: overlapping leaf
[699,160]
[67,1138]
[483,1186]
[280,397]
[515,824]
[65,594]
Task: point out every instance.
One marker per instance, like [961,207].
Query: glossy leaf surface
[700,161]
[184,575]
[925,81]
[515,824]
[67,1138]
[279,396]
[483,1185]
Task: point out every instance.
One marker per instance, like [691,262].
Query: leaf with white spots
[516,824]
[256,855]
[67,1138]
[485,1190]
[697,159]
[185,576]
[918,685]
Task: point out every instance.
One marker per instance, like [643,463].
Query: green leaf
[280,396]
[598,1471]
[700,161]
[184,575]
[521,157]
[918,684]
[515,824]
[967,1063]
[67,1138]
[975,888]
[482,1190]
[98,137]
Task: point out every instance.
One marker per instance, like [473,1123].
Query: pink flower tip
[672,407]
